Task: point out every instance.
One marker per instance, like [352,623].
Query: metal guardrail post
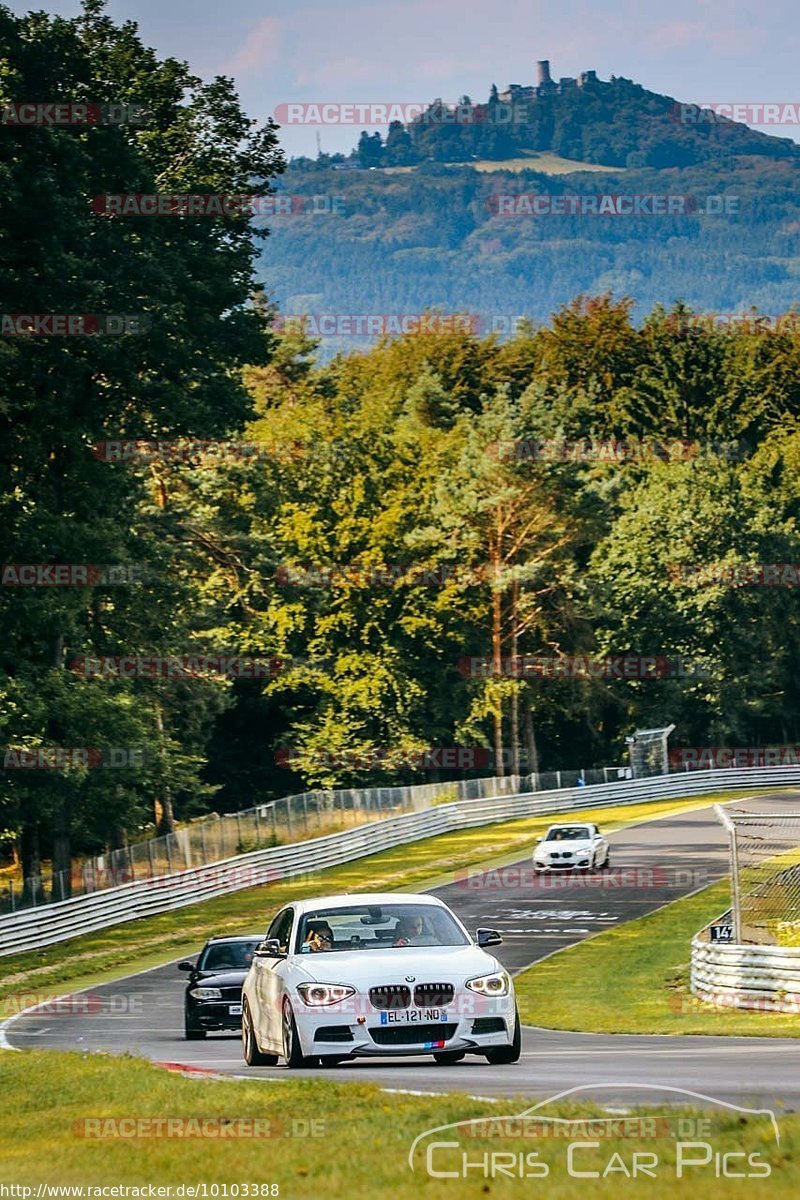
[735,896]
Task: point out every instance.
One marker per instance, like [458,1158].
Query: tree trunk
[31,860]
[61,826]
[515,765]
[62,853]
[61,885]
[530,739]
[118,838]
[167,816]
[166,822]
[119,854]
[497,665]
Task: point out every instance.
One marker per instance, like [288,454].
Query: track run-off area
[652,864]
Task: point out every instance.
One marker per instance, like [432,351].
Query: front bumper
[562,865]
[356,1029]
[214,1014]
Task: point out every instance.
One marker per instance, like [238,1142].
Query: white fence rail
[34,928]
[743,976]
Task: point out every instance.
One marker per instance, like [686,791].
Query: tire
[292,1050]
[502,1055]
[606,861]
[191,1032]
[252,1055]
[446,1058]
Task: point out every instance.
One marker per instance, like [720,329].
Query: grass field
[635,979]
[548,164]
[96,958]
[322,1139]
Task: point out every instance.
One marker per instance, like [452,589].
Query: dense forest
[364,525]
[437,237]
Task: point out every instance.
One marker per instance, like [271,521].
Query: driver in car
[406,929]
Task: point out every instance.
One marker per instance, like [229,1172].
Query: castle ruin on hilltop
[515,93]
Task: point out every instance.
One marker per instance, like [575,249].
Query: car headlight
[496,984]
[206,993]
[317,994]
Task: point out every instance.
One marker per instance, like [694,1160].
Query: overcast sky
[414,50]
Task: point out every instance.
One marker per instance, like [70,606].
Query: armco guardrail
[33,928]
[746,976]
[214,837]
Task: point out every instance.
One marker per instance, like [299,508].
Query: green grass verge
[635,979]
[91,959]
[361,1143]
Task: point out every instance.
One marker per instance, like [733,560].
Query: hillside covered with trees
[422,218]
[616,123]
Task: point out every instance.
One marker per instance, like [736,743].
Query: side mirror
[269,948]
[488,937]
[540,838]
[185,965]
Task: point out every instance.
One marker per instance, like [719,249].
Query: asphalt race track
[652,864]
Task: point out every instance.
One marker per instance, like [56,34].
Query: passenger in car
[319,936]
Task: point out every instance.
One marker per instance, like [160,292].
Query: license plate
[235,1010]
[411,1016]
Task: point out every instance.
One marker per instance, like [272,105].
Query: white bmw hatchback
[572,847]
[375,975]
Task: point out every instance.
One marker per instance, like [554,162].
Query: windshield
[227,956]
[377,927]
[568,833]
